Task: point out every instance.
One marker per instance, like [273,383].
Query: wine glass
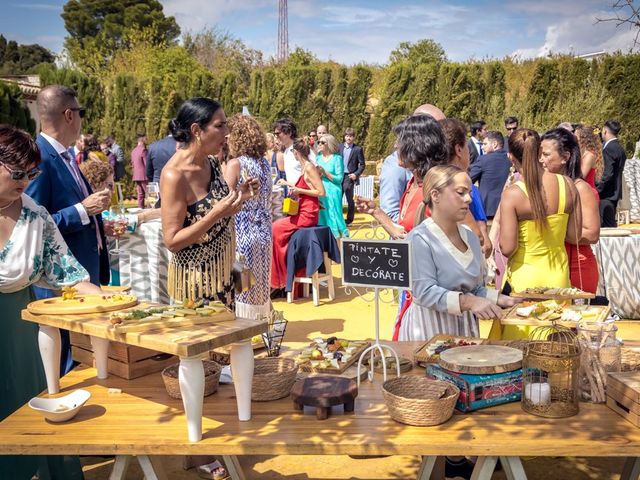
[274,173]
[152,194]
[116,226]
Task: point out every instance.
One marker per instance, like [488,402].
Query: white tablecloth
[619,265]
[145,266]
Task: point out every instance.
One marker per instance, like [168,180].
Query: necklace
[415,188]
[7,205]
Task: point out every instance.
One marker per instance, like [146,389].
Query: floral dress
[253,240]
[34,254]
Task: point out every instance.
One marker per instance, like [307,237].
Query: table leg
[151,468]
[426,467]
[631,470]
[242,371]
[513,468]
[100,355]
[49,343]
[233,467]
[191,380]
[120,467]
[484,468]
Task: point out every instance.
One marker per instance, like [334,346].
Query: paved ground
[349,316]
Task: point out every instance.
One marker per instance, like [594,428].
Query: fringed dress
[204,269]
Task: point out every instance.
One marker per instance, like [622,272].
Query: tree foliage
[16,59]
[418,53]
[97,29]
[12,110]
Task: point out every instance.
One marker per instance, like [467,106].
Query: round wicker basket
[273,378]
[419,401]
[211,378]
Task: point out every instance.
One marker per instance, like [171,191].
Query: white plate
[60,409]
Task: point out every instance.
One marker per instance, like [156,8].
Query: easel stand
[377,346]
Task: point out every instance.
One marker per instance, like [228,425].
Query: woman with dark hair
[247,146]
[32,251]
[309,188]
[537,216]
[561,154]
[421,145]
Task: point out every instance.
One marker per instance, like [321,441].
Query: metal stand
[377,346]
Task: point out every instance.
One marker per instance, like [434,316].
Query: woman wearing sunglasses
[32,251]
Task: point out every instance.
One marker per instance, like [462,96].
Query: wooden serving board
[421,355]
[80,304]
[149,324]
[481,359]
[623,395]
[549,296]
[306,367]
[615,232]
[510,317]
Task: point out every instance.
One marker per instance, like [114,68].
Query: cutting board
[481,359]
[81,304]
[150,324]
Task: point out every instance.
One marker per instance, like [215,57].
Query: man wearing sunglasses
[63,191]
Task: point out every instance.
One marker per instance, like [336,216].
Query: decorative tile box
[481,391]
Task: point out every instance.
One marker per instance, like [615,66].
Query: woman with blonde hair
[591,164]
[447,283]
[247,146]
[331,168]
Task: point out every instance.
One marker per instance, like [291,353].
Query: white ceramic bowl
[60,409]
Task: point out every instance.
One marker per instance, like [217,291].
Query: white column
[191,379]
[242,371]
[49,343]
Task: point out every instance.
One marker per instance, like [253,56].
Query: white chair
[314,280]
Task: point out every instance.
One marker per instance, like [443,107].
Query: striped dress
[253,239]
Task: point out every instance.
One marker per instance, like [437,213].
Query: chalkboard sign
[376,263]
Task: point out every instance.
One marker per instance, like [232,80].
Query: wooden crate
[125,361]
[623,395]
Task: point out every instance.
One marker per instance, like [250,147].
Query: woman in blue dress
[331,168]
[247,147]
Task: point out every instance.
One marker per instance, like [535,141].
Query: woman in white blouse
[446,260]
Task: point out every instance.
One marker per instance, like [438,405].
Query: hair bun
[179,134]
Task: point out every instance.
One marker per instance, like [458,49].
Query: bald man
[428,109]
[64,192]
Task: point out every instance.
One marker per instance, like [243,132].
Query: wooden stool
[323,392]
[314,280]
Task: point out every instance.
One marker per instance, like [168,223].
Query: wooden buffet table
[190,343]
[144,420]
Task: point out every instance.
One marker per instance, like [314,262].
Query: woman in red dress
[591,164]
[560,153]
[308,189]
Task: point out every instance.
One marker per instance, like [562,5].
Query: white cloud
[580,34]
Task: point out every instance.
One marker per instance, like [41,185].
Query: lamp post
[330,112]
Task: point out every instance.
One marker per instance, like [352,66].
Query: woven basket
[273,378]
[211,378]
[416,400]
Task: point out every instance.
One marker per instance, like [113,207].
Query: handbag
[243,276]
[290,206]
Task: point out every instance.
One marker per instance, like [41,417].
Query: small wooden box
[623,395]
[125,361]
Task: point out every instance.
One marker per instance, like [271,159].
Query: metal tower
[283,31]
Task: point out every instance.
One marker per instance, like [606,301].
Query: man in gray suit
[478,131]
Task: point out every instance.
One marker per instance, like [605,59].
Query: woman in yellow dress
[537,215]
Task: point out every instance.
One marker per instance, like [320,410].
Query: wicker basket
[211,378]
[273,378]
[419,401]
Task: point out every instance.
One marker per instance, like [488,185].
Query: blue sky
[352,31]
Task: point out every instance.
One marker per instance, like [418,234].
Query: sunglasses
[18,175]
[322,142]
[512,129]
[81,111]
[313,135]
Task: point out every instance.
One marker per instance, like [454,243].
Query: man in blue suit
[491,170]
[64,192]
[353,158]
[159,154]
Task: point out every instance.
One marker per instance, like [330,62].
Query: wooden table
[188,342]
[144,420]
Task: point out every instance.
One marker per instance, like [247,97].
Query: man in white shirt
[286,132]
[478,131]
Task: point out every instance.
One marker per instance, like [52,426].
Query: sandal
[212,471]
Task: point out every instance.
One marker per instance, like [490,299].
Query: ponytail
[532,175]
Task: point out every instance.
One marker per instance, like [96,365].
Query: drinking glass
[274,173]
[116,226]
[152,194]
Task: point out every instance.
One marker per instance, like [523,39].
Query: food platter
[429,352]
[79,304]
[545,312]
[334,355]
[545,293]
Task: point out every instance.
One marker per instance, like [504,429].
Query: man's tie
[77,176]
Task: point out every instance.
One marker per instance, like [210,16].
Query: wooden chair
[314,280]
